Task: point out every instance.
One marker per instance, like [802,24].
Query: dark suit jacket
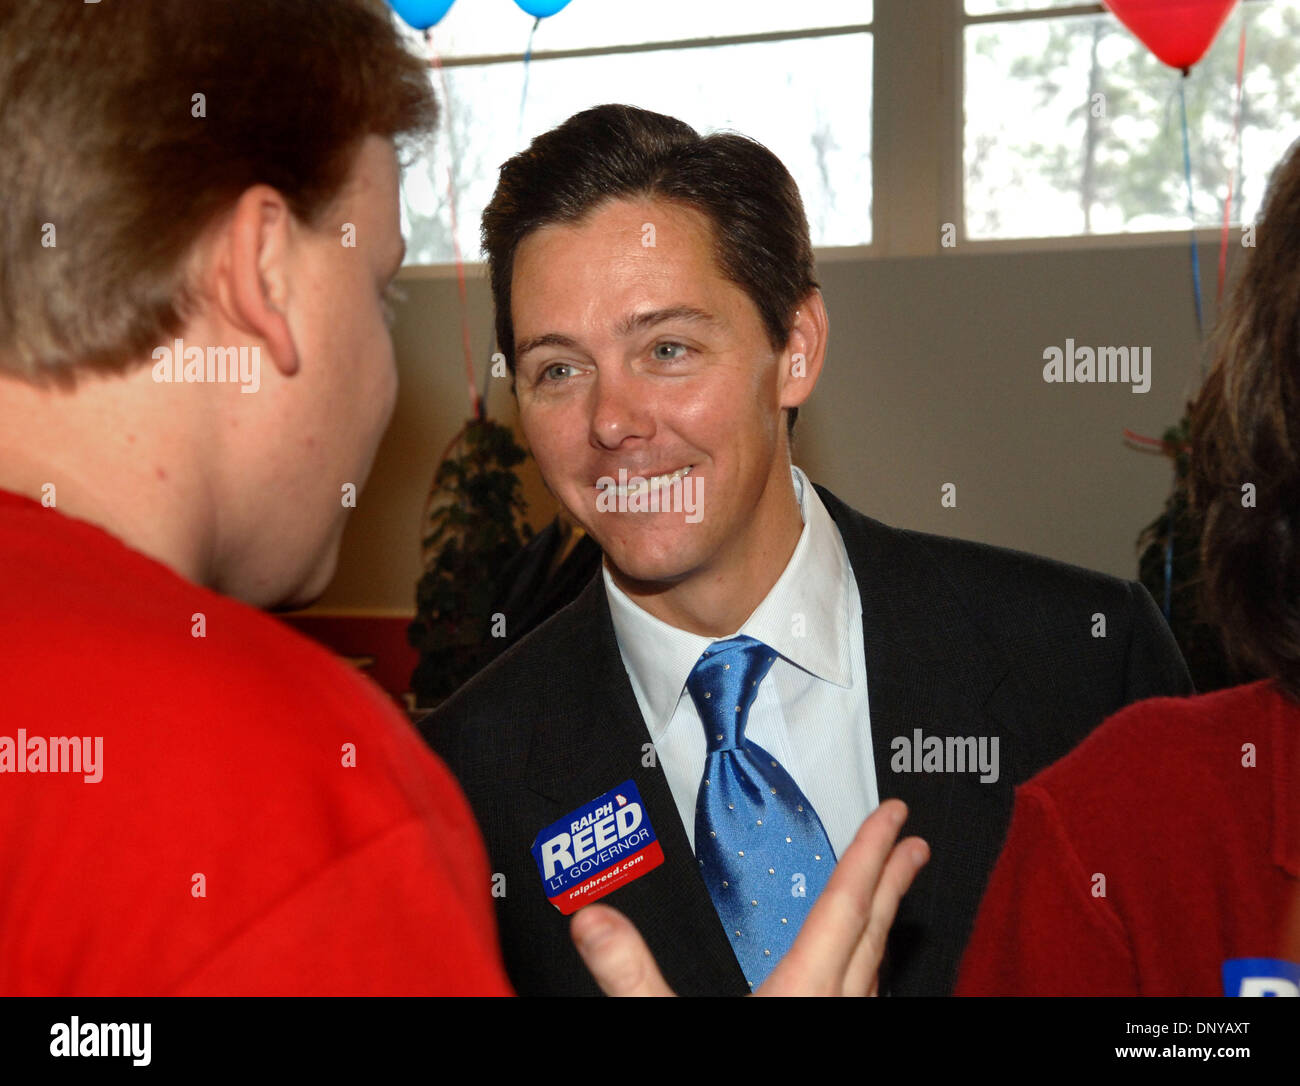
[962,639]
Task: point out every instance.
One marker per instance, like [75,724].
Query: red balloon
[1176,31]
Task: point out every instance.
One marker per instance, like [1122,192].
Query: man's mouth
[627,484]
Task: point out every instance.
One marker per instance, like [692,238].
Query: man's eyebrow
[550,339]
[637,322]
[640,321]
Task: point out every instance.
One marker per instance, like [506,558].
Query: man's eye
[392,298]
[659,348]
[550,373]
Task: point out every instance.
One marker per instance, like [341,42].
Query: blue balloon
[423,14]
[541,8]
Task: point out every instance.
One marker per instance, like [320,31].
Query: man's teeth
[637,483]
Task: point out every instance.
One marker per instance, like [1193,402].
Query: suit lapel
[597,740]
[928,669]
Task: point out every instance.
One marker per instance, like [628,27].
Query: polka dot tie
[761,848]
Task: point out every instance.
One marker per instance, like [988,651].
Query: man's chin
[648,572]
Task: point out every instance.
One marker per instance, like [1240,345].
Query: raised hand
[839,949]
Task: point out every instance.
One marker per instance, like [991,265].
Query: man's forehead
[375,165]
[372,185]
[627,256]
[624,268]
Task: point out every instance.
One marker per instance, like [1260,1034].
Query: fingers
[838,951]
[615,954]
[903,865]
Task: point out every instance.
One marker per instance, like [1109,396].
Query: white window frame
[924,187]
[477,269]
[917,139]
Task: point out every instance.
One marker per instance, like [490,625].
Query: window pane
[490,27]
[1073,127]
[808,100]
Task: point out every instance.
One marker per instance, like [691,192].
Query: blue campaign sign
[1261,977]
[597,848]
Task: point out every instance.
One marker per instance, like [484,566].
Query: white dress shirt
[811,712]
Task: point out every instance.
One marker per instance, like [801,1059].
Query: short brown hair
[1246,430]
[760,231]
[99,137]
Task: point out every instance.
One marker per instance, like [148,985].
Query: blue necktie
[761,847]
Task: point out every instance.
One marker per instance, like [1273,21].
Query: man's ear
[251,266]
[805,350]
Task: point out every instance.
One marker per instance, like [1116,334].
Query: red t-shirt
[264,822]
[1165,845]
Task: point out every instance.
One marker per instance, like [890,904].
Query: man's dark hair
[1246,429]
[611,152]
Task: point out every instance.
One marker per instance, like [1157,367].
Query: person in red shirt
[1162,856]
[195,371]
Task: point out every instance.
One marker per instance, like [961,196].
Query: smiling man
[688,408]
[754,674]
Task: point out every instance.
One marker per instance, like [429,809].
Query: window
[1072,127]
[798,79]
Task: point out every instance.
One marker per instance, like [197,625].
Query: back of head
[127,128]
[612,152]
[1245,465]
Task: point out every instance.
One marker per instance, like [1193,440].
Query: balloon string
[519,139]
[1232,172]
[1191,208]
[475,403]
[523,101]
[1170,525]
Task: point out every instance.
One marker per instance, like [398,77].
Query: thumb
[615,954]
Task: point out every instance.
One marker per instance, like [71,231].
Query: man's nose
[621,408]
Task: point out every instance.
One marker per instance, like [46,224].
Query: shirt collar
[806,615]
[805,618]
